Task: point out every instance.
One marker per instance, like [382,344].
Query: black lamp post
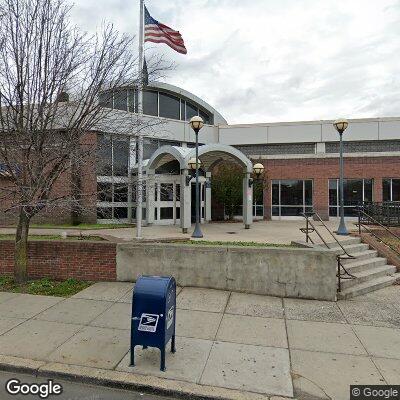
[197,123]
[341,125]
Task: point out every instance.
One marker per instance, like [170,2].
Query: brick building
[301,161]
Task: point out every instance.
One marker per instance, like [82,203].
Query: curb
[127,381]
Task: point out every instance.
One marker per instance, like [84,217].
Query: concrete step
[368,286]
[369,275]
[363,255]
[344,242]
[356,248]
[355,266]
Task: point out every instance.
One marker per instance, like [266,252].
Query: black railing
[386,213]
[310,228]
[365,221]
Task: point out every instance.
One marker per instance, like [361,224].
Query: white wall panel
[389,130]
[243,135]
[355,131]
[302,133]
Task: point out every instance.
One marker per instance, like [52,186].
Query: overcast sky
[275,60]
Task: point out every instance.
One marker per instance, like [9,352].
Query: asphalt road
[72,391]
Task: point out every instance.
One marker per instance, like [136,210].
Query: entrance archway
[181,201]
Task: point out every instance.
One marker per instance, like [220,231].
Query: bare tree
[51,75]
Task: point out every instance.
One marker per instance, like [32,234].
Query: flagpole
[139,184]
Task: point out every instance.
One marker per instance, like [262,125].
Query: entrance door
[167,201]
[202,200]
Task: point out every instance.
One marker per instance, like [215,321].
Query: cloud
[269,60]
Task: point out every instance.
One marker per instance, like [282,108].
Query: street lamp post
[197,123]
[341,125]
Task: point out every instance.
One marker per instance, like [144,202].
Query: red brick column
[321,197]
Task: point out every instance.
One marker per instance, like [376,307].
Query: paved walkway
[259,344]
[282,232]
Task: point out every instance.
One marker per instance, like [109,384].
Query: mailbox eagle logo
[148,322]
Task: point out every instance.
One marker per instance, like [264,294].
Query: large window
[169,106]
[291,198]
[391,189]
[112,155]
[155,103]
[150,103]
[355,191]
[120,99]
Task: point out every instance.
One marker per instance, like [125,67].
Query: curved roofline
[184,154]
[218,118]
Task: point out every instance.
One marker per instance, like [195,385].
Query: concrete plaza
[231,345]
[278,232]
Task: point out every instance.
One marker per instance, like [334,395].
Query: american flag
[156,32]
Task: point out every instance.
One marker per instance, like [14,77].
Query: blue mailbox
[153,314]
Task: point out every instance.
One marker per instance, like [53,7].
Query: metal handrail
[339,257]
[361,225]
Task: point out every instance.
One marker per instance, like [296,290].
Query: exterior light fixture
[192,163]
[258,169]
[192,167]
[341,125]
[196,123]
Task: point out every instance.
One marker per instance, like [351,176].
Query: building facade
[301,159]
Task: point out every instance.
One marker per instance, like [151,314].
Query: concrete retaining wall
[283,272]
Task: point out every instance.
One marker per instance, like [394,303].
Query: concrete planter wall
[283,272]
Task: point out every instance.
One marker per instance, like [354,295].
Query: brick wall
[320,170]
[60,211]
[83,260]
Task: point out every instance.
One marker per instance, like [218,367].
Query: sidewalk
[229,345]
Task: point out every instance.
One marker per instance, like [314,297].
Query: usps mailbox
[153,314]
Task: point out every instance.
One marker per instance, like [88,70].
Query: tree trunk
[21,248]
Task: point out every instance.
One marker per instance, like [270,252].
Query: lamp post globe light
[341,125]
[258,169]
[197,123]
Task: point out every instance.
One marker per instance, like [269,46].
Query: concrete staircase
[371,271]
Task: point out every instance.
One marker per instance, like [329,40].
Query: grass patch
[81,226]
[242,244]
[52,237]
[44,287]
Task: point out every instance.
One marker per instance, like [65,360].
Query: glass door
[167,200]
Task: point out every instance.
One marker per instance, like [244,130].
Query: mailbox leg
[173,349]
[162,367]
[132,364]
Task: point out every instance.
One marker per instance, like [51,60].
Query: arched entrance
[169,183]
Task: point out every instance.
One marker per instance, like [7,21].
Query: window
[120,193]
[191,111]
[132,100]
[183,109]
[391,189]
[104,213]
[166,213]
[167,192]
[104,155]
[104,192]
[106,99]
[169,106]
[291,198]
[120,212]
[120,99]
[355,191]
[150,103]
[120,156]
[205,116]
